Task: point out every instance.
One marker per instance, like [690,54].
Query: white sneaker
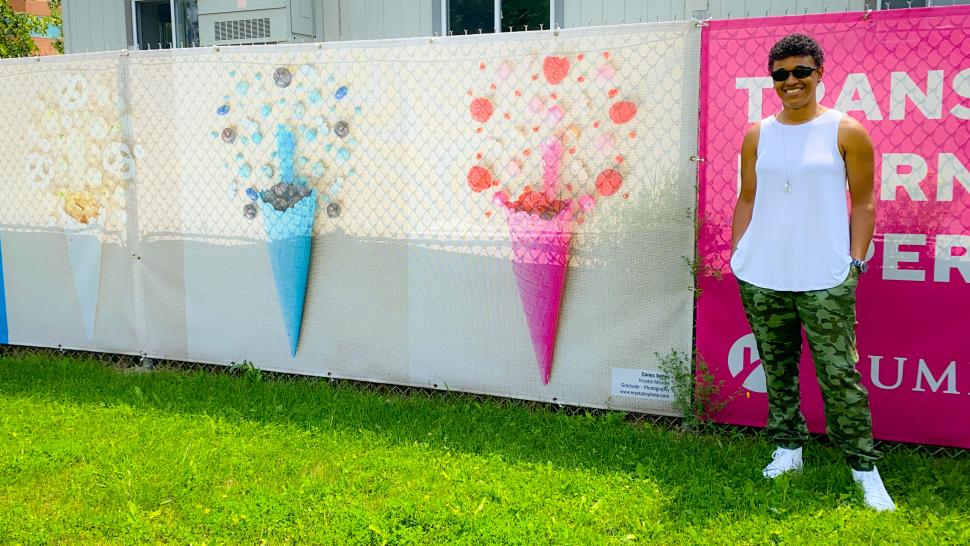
[783,460]
[875,492]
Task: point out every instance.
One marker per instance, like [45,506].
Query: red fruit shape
[555,69]
[622,112]
[479,179]
[481,109]
[608,182]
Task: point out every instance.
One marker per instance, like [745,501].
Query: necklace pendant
[787,186]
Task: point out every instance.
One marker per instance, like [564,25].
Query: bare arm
[856,147]
[745,204]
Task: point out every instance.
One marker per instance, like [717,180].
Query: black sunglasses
[800,72]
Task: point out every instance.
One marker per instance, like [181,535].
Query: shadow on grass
[704,476]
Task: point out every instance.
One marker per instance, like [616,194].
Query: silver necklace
[788,187]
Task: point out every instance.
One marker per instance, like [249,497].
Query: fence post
[133,231]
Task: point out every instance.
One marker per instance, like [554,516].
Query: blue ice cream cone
[288,239]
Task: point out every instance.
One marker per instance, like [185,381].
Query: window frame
[497,10]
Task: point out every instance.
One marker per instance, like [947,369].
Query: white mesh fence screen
[505,215]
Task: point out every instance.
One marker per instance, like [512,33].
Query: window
[524,14]
[186,23]
[471,16]
[165,23]
[474,16]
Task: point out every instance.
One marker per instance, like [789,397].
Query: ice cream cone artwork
[540,256]
[81,163]
[312,116]
[82,233]
[571,114]
[289,234]
[289,208]
[84,257]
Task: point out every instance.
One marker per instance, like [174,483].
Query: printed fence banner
[495,214]
[905,74]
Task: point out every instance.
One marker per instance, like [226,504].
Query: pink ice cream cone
[540,256]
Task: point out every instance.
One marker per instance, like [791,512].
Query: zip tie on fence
[556,31]
[701,18]
[866,15]
[696,158]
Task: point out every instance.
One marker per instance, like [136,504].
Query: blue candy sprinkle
[223,110]
[251,193]
[318,170]
[341,92]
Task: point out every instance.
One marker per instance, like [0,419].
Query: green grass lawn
[94,454]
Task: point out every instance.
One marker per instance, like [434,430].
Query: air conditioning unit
[228,22]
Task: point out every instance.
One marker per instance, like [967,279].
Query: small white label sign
[649,385]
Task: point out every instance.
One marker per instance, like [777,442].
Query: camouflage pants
[828,316]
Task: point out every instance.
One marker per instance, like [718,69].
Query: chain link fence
[455,211]
[406,164]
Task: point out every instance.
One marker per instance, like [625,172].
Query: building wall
[581,13]
[99,25]
[32,7]
[96,25]
[377,19]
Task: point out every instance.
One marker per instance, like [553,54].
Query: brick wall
[33,7]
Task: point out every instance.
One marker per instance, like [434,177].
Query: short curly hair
[795,45]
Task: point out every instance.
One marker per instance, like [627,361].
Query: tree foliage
[16,29]
[55,20]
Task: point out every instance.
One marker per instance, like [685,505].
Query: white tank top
[798,238]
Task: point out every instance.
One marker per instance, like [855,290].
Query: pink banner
[905,74]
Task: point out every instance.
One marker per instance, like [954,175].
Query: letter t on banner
[755,86]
